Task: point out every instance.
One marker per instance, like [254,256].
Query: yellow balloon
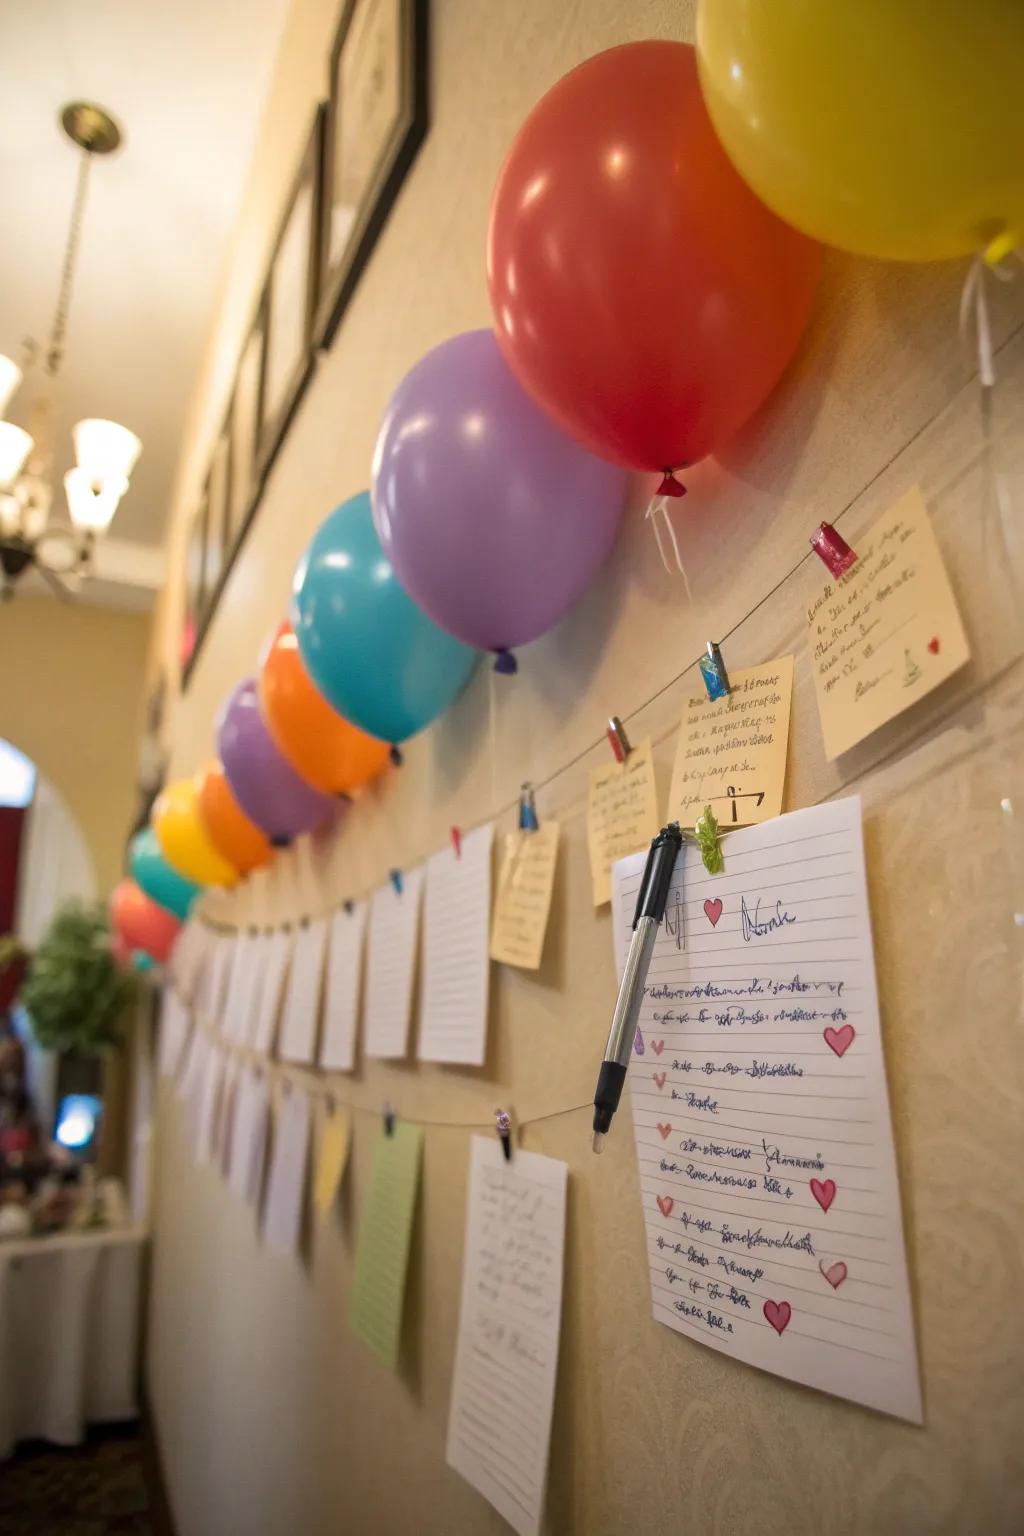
[891,128]
[183,838]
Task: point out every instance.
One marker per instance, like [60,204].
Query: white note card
[286,1186]
[248,1136]
[503,1389]
[266,1001]
[189,957]
[174,1028]
[456,951]
[390,965]
[761,1114]
[214,981]
[301,1012]
[209,1104]
[341,989]
[233,1017]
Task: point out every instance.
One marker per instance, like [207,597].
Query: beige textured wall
[71,698]
[272,1418]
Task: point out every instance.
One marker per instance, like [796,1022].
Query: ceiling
[186,80]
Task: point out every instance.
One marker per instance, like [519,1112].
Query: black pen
[647,918]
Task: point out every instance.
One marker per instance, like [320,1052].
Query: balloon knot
[279,841]
[395,755]
[670,486]
[505,663]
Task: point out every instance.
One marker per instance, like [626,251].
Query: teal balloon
[141,961]
[161,883]
[372,653]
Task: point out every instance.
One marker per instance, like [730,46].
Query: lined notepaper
[390,965]
[266,1002]
[456,954]
[523,901]
[248,1136]
[341,989]
[286,1184]
[301,1012]
[331,1157]
[761,1115]
[385,1231]
[503,1391]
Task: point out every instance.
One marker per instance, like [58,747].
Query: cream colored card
[622,815]
[524,896]
[332,1158]
[887,632]
[732,752]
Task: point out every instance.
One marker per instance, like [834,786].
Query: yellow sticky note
[524,896]
[331,1159]
[732,751]
[622,815]
[385,1231]
[887,632]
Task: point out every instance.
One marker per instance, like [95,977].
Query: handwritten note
[385,1232]
[731,753]
[761,1115]
[332,1156]
[524,896]
[503,1392]
[341,1001]
[249,1136]
[390,965]
[286,1184]
[622,814]
[266,1002]
[174,1027]
[301,1012]
[456,961]
[887,632]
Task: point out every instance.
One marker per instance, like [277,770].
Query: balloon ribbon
[657,508]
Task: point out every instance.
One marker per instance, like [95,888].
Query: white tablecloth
[69,1329]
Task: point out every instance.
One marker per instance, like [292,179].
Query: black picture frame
[192,618]
[340,272]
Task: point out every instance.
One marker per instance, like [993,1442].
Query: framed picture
[376,121]
[290,302]
[217,497]
[243,428]
[195,554]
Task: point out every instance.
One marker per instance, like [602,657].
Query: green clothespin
[706,834]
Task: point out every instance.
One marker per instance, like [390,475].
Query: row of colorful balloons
[645,302]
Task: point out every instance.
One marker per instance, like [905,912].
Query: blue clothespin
[396,881]
[527,810]
[712,670]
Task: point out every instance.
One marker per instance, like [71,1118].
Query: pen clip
[617,739]
[527,809]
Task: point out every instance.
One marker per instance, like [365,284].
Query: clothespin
[712,670]
[396,880]
[456,836]
[395,755]
[304,920]
[527,809]
[617,739]
[833,550]
[348,907]
[503,1126]
[389,1119]
[706,833]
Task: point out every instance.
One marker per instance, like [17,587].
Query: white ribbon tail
[658,508]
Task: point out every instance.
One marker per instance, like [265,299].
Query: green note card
[382,1256]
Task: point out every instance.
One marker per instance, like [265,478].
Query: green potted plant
[74,992]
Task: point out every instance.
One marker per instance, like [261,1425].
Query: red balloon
[641,292]
[140,922]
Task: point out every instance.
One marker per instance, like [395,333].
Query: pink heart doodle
[835,1273]
[657,1046]
[665,1204]
[824,1193]
[839,1040]
[659,1079]
[713,911]
[664,1130]
[778,1314]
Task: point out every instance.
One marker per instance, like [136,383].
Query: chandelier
[105,452]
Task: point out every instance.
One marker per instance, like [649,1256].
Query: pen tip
[598,1142]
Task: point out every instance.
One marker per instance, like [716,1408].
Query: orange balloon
[140,922]
[234,836]
[329,752]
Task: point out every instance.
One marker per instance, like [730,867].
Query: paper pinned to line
[622,814]
[503,1390]
[390,966]
[456,959]
[300,1013]
[286,1183]
[174,1027]
[332,1157]
[249,1136]
[523,902]
[341,988]
[385,1233]
[277,951]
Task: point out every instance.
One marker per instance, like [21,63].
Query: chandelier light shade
[10,378]
[92,503]
[105,451]
[15,447]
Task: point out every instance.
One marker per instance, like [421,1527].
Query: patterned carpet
[107,1487]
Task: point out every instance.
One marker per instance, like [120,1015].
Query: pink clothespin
[617,739]
[833,550]
[457,842]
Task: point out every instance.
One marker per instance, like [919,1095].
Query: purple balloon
[267,788]
[494,520]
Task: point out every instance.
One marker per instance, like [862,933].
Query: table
[69,1328]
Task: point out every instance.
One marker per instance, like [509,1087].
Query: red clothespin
[833,550]
[457,841]
[617,739]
